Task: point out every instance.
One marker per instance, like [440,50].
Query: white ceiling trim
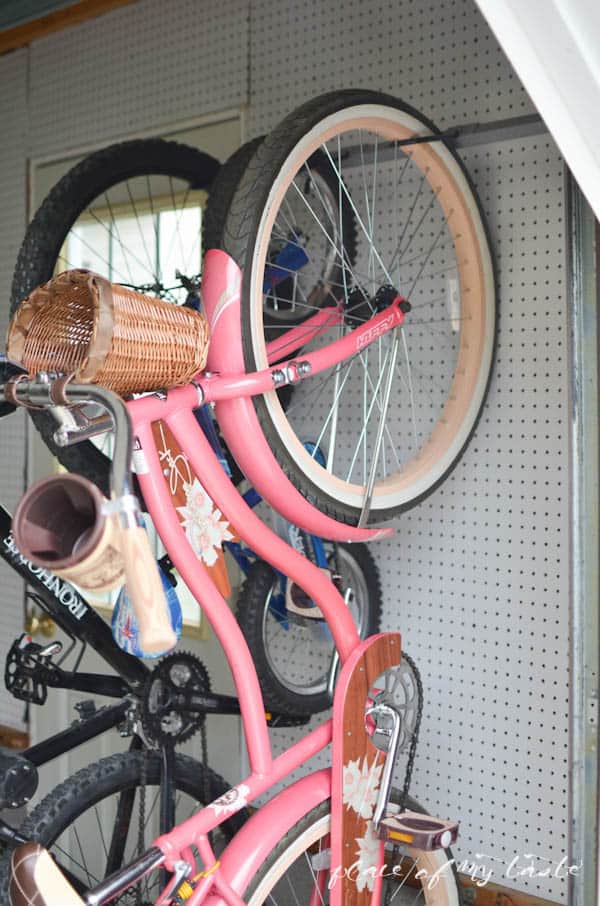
[554,46]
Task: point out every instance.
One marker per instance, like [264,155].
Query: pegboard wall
[477,575]
[13,114]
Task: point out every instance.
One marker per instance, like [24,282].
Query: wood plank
[13,739]
[489,894]
[24,34]
[497,895]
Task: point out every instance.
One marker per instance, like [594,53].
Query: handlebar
[117,521]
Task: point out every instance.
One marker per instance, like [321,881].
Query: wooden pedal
[420,831]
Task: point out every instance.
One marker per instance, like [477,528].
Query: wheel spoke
[90,878]
[357,215]
[367,419]
[151,263]
[110,269]
[121,825]
[176,235]
[316,886]
[345,262]
[370,481]
[408,219]
[334,405]
[411,394]
[314,257]
[112,230]
[422,268]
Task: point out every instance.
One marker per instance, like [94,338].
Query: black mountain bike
[131,796]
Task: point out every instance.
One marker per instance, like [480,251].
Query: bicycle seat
[36,880]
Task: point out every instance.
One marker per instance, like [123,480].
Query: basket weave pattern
[79,323]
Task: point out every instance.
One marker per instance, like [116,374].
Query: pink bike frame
[230,388]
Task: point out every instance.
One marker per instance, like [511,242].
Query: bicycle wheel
[297,870]
[291,291]
[77,822]
[132,212]
[294,656]
[394,418]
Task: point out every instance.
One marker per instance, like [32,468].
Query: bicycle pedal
[420,831]
[29,669]
[299,605]
[300,615]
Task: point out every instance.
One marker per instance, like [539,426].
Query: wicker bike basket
[78,323]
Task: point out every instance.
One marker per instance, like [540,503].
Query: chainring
[165,718]
[399,686]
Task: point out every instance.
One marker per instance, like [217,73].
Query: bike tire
[91,789]
[280,306]
[283,870]
[292,659]
[432,408]
[104,177]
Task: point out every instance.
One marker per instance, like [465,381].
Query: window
[141,233]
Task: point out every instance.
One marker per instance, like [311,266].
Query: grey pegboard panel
[141,67]
[484,561]
[477,575]
[438,55]
[12,612]
[13,115]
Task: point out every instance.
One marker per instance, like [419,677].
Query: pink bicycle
[325,302]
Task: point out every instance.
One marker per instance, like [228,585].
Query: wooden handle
[146,592]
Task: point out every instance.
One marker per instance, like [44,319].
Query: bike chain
[152,726]
[206,791]
[412,751]
[389,896]
[142,811]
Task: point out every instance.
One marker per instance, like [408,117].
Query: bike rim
[294,877]
[438,363]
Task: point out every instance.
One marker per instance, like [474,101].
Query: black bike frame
[79,620]
[75,616]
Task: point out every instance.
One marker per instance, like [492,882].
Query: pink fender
[261,833]
[221,287]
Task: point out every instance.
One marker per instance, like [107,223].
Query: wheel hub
[360,306]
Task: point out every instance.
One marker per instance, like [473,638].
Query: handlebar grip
[145,590]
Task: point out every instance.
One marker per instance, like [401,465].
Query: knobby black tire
[238,234]
[253,600]
[89,786]
[450,876]
[56,215]
[223,193]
